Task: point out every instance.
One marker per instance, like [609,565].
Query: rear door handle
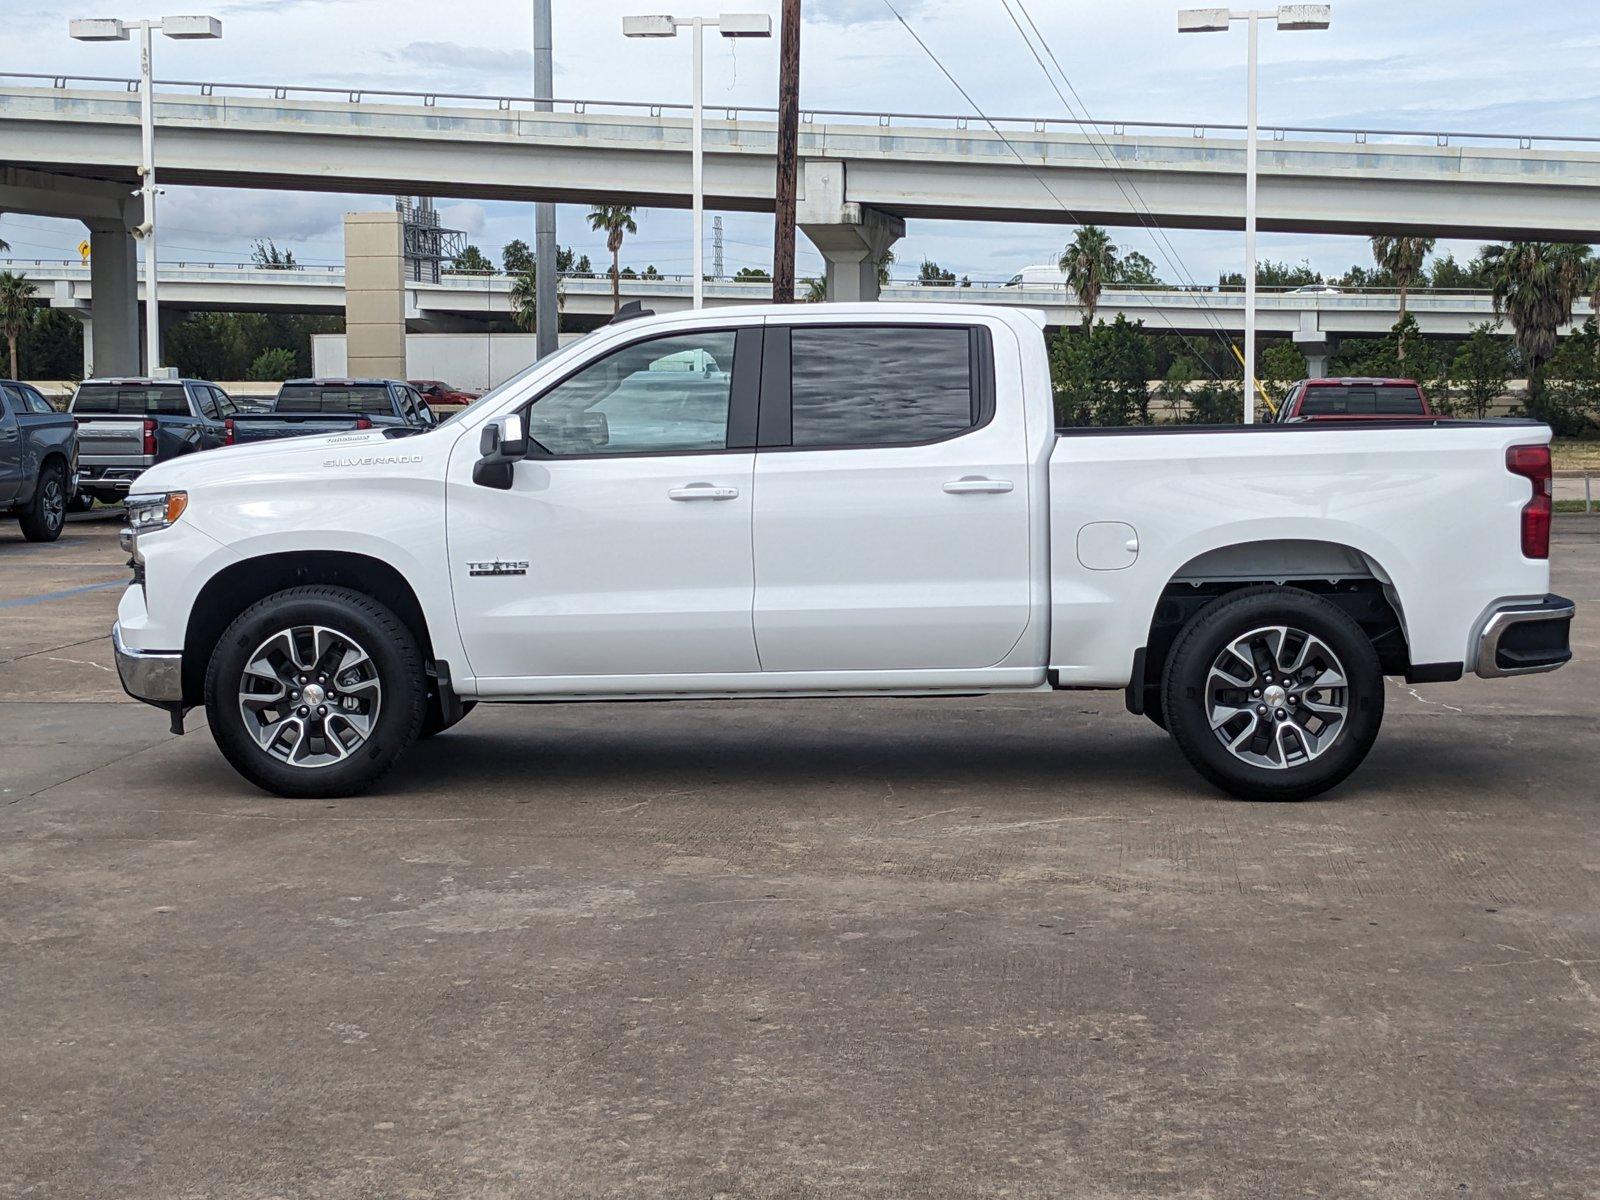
[702,491]
[964,487]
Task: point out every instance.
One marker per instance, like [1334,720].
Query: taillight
[227,432]
[363,423]
[1533,464]
[149,437]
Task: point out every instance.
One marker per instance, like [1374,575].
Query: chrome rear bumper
[1521,639]
[153,678]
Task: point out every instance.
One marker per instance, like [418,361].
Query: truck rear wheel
[315,692]
[46,513]
[1272,693]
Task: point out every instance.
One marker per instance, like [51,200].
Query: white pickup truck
[831,500]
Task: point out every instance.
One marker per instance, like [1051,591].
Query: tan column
[374,296]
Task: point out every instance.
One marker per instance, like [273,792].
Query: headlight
[148,513]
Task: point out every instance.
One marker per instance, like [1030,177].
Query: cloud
[466,61]
[469,216]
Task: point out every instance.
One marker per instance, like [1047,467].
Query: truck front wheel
[1273,693]
[315,692]
[46,513]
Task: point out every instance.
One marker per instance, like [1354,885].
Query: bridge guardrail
[1357,135]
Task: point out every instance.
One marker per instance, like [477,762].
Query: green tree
[816,290]
[1401,257]
[1101,376]
[1274,275]
[17,311]
[1281,366]
[650,272]
[276,364]
[52,347]
[1089,262]
[515,257]
[885,261]
[1482,365]
[1448,275]
[265,254]
[1536,285]
[616,220]
[471,261]
[1135,270]
[931,274]
[751,275]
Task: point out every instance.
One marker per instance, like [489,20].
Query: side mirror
[501,445]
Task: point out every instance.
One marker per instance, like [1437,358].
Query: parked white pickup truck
[831,500]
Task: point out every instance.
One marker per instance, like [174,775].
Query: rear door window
[131,399]
[1363,400]
[866,385]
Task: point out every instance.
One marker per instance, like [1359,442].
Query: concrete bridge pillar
[111,341]
[853,239]
[1316,344]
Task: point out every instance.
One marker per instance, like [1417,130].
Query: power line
[1159,239]
[945,71]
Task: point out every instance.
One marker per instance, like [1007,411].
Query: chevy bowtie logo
[498,567]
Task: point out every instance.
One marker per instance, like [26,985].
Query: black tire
[1191,689]
[46,513]
[433,722]
[396,663]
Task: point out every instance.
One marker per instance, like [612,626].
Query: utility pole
[546,319]
[788,155]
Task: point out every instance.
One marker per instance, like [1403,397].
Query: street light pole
[546,316]
[1219,20]
[114,30]
[730,25]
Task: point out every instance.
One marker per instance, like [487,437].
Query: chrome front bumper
[153,678]
[1521,639]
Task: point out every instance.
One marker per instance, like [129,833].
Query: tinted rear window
[873,386]
[132,399]
[1381,400]
[334,401]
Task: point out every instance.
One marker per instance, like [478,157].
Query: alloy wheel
[1277,697]
[309,696]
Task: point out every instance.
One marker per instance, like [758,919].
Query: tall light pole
[114,30]
[546,320]
[1219,20]
[729,25]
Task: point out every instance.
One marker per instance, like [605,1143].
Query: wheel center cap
[1273,696]
[314,694]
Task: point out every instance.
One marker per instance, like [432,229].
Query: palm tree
[16,311]
[816,290]
[1536,285]
[616,220]
[1090,262]
[1402,257]
[524,293]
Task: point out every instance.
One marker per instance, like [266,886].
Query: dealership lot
[789,948]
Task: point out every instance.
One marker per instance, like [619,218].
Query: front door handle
[702,491]
[966,487]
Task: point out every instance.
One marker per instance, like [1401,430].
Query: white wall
[477,361]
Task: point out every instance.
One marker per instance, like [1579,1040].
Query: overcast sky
[1479,65]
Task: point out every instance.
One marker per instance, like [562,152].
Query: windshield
[493,394]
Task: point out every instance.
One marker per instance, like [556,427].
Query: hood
[286,457]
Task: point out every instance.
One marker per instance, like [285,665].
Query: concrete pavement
[773,949]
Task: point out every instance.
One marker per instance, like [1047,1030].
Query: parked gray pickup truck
[311,406]
[129,425]
[38,461]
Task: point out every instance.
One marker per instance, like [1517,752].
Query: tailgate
[107,439]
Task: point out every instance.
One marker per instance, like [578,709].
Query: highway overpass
[69,145]
[461,303]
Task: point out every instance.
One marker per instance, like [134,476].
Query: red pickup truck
[1355,399]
